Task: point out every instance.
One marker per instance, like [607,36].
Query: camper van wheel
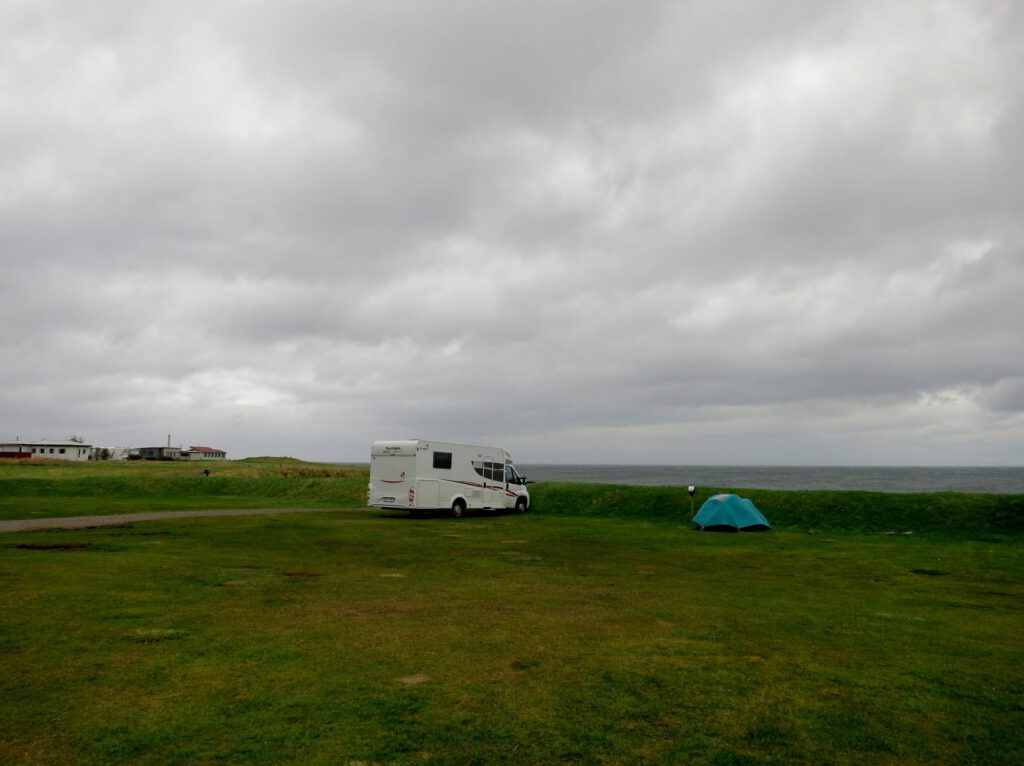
[458,507]
[521,505]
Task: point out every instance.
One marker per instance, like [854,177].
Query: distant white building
[160,453]
[204,453]
[50,449]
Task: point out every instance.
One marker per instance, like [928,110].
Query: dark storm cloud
[591,230]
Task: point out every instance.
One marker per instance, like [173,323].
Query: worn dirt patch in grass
[418,678]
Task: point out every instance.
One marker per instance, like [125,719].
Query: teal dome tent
[730,513]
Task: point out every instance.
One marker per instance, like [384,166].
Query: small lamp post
[691,489]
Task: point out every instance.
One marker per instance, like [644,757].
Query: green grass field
[40,489]
[588,632]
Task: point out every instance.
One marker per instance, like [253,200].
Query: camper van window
[511,477]
[443,460]
[488,470]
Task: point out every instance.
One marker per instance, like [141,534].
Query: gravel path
[83,522]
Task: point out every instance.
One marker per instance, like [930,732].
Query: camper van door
[488,497]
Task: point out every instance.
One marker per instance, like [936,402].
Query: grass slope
[37,489]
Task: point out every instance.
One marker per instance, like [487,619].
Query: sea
[999,480]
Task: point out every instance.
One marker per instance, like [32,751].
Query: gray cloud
[587,231]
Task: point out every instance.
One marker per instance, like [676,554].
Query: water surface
[1001,480]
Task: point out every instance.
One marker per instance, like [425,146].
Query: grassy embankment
[38,489]
[952,514]
[597,629]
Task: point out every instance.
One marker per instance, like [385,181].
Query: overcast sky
[633,232]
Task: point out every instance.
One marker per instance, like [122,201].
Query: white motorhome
[416,475]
